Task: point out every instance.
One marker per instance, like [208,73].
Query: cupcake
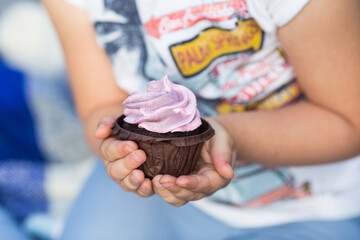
[165,123]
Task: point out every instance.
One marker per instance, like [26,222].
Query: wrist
[92,120]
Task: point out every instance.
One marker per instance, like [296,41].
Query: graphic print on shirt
[285,95]
[124,33]
[214,12]
[225,30]
[256,185]
[256,80]
[195,55]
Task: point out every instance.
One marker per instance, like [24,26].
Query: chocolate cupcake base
[175,154]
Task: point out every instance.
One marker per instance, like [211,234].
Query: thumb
[103,129]
[222,151]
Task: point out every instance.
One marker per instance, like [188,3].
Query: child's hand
[214,171]
[121,158]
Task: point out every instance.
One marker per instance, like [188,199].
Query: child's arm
[97,96]
[322,43]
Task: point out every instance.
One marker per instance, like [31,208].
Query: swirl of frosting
[163,107]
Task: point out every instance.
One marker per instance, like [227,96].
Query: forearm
[298,134]
[93,85]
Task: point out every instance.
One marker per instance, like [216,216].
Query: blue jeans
[104,211]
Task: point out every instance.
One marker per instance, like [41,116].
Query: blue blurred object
[21,162]
[17,135]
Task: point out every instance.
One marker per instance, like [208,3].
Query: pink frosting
[163,107]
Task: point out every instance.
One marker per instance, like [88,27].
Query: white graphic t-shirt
[228,54]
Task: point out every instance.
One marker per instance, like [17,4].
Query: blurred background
[44,159]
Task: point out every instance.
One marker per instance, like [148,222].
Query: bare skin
[325,53]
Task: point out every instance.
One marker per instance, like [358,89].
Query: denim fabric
[104,211]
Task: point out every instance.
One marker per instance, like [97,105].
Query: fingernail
[136,158]
[101,125]
[228,166]
[167,185]
[158,185]
[134,179]
[144,189]
[229,169]
[129,149]
[183,183]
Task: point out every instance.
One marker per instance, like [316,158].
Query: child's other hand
[121,160]
[214,171]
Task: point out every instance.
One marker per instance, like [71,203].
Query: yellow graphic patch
[271,102]
[195,55]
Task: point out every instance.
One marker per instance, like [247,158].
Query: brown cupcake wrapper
[175,156]
[206,133]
